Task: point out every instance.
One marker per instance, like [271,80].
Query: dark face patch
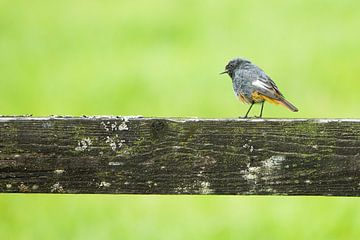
[232,65]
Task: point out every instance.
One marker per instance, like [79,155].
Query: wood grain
[137,155]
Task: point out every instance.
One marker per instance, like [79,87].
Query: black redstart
[251,85]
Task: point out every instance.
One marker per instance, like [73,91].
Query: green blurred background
[162,58]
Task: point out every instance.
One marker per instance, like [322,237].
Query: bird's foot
[257,116]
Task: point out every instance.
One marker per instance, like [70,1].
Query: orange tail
[281,101]
[288,105]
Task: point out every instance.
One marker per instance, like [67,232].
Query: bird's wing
[263,83]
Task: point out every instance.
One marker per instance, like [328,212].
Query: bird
[252,85]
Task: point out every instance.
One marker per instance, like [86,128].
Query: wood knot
[158,128]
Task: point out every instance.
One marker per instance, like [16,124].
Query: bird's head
[233,65]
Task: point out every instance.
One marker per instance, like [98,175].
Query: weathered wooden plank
[180,156]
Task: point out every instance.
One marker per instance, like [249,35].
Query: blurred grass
[162,58]
[177,217]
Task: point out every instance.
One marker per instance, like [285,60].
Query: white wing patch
[260,84]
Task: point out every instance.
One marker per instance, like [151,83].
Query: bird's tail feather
[288,105]
[282,101]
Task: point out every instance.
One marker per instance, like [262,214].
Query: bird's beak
[225,72]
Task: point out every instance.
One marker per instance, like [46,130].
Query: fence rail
[136,155]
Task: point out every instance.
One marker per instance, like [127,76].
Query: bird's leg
[262,107]
[248,110]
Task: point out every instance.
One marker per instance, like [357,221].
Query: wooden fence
[135,155]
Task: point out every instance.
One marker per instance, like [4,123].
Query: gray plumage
[252,85]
